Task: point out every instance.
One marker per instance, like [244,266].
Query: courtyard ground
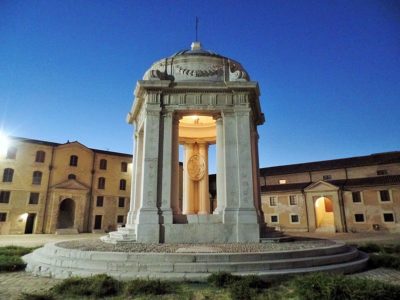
[13,284]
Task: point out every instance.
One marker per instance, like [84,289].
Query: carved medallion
[196,167]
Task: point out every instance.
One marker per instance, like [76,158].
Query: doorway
[30,222]
[324,216]
[66,214]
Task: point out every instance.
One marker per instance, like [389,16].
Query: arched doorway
[66,214]
[324,216]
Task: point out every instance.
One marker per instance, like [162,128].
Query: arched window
[37,177]
[122,184]
[40,156]
[8,175]
[11,153]
[71,176]
[102,183]
[103,164]
[73,160]
[124,167]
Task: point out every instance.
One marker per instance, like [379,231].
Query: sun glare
[4,143]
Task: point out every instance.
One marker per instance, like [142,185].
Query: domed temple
[195,98]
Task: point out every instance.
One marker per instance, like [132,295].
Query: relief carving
[196,167]
[211,71]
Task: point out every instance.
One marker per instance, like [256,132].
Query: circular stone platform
[193,262]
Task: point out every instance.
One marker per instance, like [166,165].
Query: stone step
[59,270]
[52,260]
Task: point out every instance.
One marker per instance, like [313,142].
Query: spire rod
[197,28]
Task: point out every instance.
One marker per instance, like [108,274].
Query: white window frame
[390,196]
[388,212]
[269,201]
[296,198]
[277,217]
[359,213]
[361,198]
[290,218]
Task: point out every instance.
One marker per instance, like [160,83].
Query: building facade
[62,188]
[342,195]
[48,187]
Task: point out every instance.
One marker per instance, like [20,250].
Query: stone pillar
[231,180]
[221,202]
[175,167]
[148,219]
[248,229]
[136,189]
[167,178]
[203,189]
[188,203]
[132,206]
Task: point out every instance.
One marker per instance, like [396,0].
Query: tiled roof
[356,182]
[351,162]
[39,142]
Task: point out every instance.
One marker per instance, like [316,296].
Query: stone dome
[197,64]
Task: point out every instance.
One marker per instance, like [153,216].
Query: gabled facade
[344,195]
[62,187]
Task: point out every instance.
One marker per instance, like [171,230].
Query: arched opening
[196,134]
[324,216]
[66,214]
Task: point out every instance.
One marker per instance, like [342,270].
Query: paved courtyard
[12,285]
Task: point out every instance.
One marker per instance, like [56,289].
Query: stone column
[148,219]
[221,202]
[175,167]
[134,199]
[187,205]
[230,156]
[166,190]
[248,229]
[203,190]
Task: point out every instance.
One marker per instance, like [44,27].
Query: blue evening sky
[329,71]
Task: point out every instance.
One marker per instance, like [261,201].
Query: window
[385,196]
[359,218]
[274,219]
[327,177]
[103,164]
[294,219]
[71,176]
[11,153]
[381,172]
[282,181]
[3,217]
[120,219]
[121,202]
[4,196]
[122,184]
[388,217]
[37,177]
[272,201]
[102,183]
[34,198]
[293,200]
[97,221]
[40,156]
[8,175]
[99,201]
[356,197]
[73,160]
[124,167]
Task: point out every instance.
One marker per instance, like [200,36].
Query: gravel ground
[97,245]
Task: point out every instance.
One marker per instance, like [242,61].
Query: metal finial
[197,28]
